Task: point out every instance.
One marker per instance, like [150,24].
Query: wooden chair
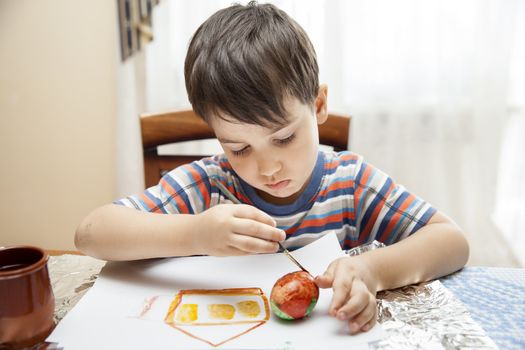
[172,127]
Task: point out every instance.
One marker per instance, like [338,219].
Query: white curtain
[509,213]
[435,88]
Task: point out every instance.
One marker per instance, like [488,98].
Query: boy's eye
[280,142]
[286,140]
[240,152]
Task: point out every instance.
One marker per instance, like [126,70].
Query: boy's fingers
[248,212]
[369,325]
[327,278]
[363,321]
[233,251]
[253,245]
[342,289]
[365,316]
[259,230]
[323,281]
[338,300]
[357,302]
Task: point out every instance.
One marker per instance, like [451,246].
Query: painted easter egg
[294,295]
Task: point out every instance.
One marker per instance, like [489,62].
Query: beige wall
[58,62]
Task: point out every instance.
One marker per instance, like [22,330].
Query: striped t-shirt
[345,195]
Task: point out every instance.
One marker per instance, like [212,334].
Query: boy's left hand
[354,298]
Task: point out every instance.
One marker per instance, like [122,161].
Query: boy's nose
[268,167]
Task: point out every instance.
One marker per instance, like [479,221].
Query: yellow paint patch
[187,313]
[249,308]
[221,311]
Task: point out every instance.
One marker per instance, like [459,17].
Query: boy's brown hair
[244,61]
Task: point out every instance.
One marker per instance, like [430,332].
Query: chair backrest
[167,128]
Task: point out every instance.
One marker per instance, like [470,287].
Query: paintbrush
[234,199]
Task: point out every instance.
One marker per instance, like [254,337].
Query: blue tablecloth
[495,297]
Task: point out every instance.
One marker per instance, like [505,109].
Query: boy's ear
[321,108]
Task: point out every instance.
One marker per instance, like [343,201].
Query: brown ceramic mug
[26,297]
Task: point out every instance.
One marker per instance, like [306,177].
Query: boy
[251,73]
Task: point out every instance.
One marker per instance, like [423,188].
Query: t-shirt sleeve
[384,210]
[184,190]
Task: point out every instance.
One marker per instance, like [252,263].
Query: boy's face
[277,162]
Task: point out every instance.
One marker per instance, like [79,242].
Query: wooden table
[495,297]
[53,252]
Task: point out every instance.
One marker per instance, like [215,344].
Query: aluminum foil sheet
[422,316]
[71,277]
[364,248]
[427,316]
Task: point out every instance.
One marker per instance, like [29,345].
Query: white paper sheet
[107,317]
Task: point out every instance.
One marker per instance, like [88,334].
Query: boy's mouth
[278,185]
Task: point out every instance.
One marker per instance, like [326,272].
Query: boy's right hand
[236,229]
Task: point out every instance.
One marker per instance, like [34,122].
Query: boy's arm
[436,249]
[114,232]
